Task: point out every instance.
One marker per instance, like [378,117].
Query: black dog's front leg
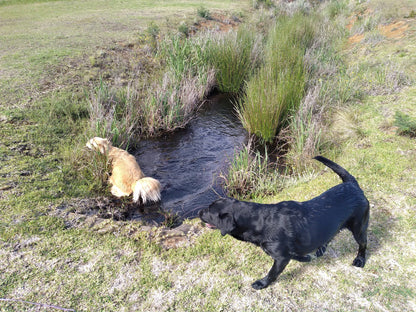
[277,268]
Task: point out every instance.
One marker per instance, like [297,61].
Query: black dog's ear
[227,223]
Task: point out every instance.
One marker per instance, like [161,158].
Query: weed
[152,32]
[406,124]
[203,12]
[171,219]
[183,29]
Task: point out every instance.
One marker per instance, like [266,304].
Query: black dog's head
[219,215]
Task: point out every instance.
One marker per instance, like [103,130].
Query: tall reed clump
[149,107]
[275,91]
[233,55]
[172,104]
[114,114]
[304,133]
[187,80]
[330,84]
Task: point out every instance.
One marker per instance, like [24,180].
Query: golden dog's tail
[146,189]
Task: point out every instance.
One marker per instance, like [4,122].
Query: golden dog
[126,176]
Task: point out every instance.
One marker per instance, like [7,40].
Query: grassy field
[53,258]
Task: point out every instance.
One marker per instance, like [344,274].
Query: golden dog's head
[99,144]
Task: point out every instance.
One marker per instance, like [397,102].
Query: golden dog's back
[126,170]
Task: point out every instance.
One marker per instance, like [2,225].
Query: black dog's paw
[359,262]
[260,284]
[320,251]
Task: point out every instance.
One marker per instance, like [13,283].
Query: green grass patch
[233,56]
[252,175]
[276,90]
[406,124]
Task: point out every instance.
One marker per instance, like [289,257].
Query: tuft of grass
[203,12]
[252,175]
[172,104]
[233,56]
[183,29]
[275,91]
[185,56]
[406,125]
[114,114]
[152,35]
[335,8]
[263,4]
[304,133]
[267,102]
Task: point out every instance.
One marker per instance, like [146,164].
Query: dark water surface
[187,162]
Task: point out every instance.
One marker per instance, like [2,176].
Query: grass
[48,33]
[277,88]
[234,56]
[251,175]
[406,125]
[49,255]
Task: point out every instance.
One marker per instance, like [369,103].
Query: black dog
[292,230]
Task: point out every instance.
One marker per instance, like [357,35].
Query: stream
[187,162]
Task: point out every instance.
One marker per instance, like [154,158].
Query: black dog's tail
[344,174]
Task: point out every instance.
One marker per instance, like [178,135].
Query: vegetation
[58,89]
[406,125]
[277,88]
[203,12]
[234,56]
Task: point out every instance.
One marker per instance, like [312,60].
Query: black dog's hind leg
[359,230]
[361,239]
[277,268]
[321,250]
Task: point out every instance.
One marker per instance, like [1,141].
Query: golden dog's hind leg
[117,192]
